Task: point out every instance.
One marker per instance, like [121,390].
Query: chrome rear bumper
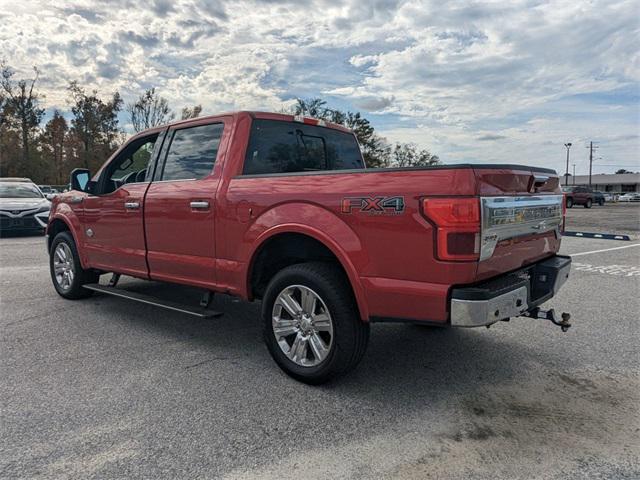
[509,295]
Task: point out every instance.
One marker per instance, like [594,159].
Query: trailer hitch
[551,316]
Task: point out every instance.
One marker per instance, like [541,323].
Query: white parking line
[604,250]
[617,270]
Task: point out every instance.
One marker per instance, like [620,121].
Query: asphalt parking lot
[620,218]
[105,388]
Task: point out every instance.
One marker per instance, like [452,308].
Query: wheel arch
[290,244]
[64,223]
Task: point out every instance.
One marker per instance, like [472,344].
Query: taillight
[457,222]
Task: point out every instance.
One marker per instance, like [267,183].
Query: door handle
[540,180]
[131,205]
[200,204]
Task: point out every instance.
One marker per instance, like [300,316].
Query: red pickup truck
[282,209]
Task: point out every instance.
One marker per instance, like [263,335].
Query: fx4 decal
[373,205]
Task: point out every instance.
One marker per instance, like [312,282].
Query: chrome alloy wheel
[302,325]
[63,266]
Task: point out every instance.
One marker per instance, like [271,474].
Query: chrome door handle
[131,205]
[199,204]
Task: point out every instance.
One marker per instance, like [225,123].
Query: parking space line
[604,250]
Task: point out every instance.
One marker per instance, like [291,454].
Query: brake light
[457,222]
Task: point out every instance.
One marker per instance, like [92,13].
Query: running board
[140,297]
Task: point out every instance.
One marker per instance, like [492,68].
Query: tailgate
[522,214]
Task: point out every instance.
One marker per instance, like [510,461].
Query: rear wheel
[311,324]
[569,202]
[601,202]
[67,273]
[589,203]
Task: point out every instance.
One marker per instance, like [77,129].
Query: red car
[582,196]
[281,208]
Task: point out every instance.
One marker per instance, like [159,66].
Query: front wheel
[588,204]
[569,202]
[311,324]
[67,273]
[601,202]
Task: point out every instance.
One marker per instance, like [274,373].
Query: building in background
[611,182]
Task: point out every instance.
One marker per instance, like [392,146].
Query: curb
[602,236]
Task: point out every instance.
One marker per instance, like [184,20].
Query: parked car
[282,209]
[629,197]
[23,207]
[610,197]
[599,198]
[577,195]
[48,191]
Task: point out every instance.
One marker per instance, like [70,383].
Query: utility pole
[574,173]
[566,174]
[591,148]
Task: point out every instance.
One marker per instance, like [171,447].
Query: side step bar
[140,297]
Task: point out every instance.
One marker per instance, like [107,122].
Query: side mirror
[80,179]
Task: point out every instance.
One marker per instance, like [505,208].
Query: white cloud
[500,81]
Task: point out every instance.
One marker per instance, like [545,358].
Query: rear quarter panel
[389,257]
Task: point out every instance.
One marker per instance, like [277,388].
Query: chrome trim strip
[199,204]
[23,213]
[179,180]
[510,217]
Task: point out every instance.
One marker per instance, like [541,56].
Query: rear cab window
[277,146]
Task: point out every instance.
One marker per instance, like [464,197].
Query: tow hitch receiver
[551,316]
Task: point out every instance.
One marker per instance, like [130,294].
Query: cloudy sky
[500,81]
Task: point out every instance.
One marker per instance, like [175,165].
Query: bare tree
[191,112]
[312,107]
[408,155]
[374,148]
[149,111]
[22,105]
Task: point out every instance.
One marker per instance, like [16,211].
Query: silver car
[629,197]
[23,207]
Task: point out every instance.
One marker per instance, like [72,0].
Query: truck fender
[65,214]
[318,223]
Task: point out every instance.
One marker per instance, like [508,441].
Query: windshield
[568,189]
[19,190]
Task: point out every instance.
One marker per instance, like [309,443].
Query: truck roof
[262,115]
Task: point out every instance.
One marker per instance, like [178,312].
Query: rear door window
[192,152]
[282,147]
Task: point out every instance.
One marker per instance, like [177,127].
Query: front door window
[130,166]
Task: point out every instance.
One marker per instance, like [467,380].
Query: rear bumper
[509,295]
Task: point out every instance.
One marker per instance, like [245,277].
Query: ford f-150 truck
[283,209]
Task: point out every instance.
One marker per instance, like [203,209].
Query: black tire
[569,202]
[74,290]
[350,334]
[589,203]
[601,202]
